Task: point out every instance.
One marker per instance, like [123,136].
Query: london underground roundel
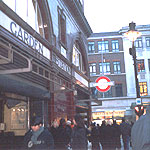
[103,84]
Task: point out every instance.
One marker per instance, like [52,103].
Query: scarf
[36,135]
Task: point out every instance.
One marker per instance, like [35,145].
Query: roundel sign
[103,84]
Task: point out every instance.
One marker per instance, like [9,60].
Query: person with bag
[38,137]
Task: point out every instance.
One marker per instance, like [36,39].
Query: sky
[112,15]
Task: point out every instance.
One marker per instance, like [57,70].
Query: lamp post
[132,35]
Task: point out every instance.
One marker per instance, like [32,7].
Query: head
[68,123]
[78,120]
[62,122]
[36,123]
[114,121]
[103,122]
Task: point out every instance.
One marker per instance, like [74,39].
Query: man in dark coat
[61,137]
[116,135]
[95,137]
[126,133]
[38,137]
[79,134]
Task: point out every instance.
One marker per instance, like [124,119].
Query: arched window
[29,11]
[77,57]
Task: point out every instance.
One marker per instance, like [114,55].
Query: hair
[79,120]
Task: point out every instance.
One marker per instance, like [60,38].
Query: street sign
[138,101]
[103,84]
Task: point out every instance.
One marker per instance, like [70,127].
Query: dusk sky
[112,15]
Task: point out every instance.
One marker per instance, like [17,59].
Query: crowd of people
[75,135]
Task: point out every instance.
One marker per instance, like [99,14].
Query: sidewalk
[89,146]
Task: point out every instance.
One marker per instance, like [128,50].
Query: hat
[36,121]
[68,122]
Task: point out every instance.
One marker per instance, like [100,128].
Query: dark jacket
[45,141]
[61,138]
[79,138]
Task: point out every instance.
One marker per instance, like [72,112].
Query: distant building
[108,55]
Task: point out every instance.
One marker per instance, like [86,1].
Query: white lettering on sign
[111,83]
[61,64]
[24,36]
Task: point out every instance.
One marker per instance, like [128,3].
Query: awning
[14,84]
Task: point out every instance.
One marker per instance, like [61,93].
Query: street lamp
[132,35]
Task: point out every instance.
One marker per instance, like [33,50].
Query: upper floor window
[141,66]
[147,41]
[91,47]
[149,64]
[115,45]
[143,88]
[104,68]
[138,43]
[92,67]
[62,26]
[29,11]
[103,46]
[77,57]
[116,65]
[118,89]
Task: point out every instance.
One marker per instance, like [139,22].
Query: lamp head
[132,34]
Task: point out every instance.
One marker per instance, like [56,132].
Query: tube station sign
[102,84]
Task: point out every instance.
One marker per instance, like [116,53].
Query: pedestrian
[95,137]
[53,130]
[38,137]
[68,133]
[102,135]
[116,135]
[126,133]
[140,132]
[79,134]
[61,135]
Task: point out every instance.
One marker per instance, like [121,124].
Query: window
[115,45]
[138,43]
[117,67]
[106,94]
[62,26]
[118,89]
[143,88]
[91,48]
[103,46]
[92,68]
[141,66]
[29,11]
[148,42]
[104,68]
[149,64]
[77,58]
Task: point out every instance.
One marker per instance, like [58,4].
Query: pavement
[90,146]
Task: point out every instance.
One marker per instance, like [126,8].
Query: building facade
[108,55]
[43,61]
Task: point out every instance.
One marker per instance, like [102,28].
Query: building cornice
[76,10]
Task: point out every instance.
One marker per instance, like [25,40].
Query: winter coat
[140,133]
[61,138]
[45,141]
[79,138]
[116,135]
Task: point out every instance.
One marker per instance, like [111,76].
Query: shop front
[117,115]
